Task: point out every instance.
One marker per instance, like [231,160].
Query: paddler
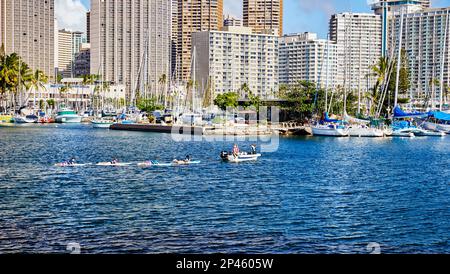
[114,161]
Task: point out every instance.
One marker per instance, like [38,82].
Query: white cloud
[71,14]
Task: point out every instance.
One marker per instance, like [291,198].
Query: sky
[299,15]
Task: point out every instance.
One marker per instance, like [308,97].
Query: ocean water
[312,195]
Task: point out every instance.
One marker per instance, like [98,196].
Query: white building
[304,57]
[78,96]
[225,60]
[426,39]
[27,28]
[231,21]
[120,31]
[69,43]
[358,37]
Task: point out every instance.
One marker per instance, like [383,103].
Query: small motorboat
[102,123]
[241,157]
[30,119]
[66,115]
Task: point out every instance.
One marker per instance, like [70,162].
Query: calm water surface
[313,195]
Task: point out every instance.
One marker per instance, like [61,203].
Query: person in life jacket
[235,150]
[253,149]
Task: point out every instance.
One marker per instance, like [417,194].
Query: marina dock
[181,129]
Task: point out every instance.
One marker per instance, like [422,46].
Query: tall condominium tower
[27,28]
[358,37]
[194,16]
[387,8]
[235,56]
[426,41]
[123,33]
[381,6]
[264,16]
[88,27]
[304,57]
[69,43]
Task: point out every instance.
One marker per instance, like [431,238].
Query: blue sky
[299,15]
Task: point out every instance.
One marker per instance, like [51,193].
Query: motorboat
[239,158]
[66,115]
[29,119]
[102,123]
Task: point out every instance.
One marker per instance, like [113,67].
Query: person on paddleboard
[114,161]
[72,161]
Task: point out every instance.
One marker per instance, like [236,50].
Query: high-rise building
[381,6]
[304,57]
[226,60]
[129,39]
[27,28]
[194,16]
[174,38]
[425,41]
[82,61]
[358,37]
[231,21]
[88,26]
[386,8]
[264,16]
[69,43]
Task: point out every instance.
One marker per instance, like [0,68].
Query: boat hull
[331,132]
[101,125]
[242,158]
[23,120]
[68,119]
[366,132]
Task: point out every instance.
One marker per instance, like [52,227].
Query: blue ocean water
[312,195]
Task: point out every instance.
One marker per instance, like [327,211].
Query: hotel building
[225,60]
[27,28]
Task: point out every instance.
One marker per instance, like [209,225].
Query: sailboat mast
[441,95]
[328,72]
[193,79]
[399,58]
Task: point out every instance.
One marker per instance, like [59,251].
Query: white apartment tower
[304,57]
[120,31]
[426,40]
[358,37]
[225,60]
[27,28]
[69,43]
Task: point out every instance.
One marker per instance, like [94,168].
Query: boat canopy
[354,120]
[399,113]
[441,116]
[327,119]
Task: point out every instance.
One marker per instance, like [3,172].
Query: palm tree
[162,82]
[245,91]
[38,82]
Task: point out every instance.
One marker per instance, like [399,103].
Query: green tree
[225,100]
[148,105]
[38,82]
